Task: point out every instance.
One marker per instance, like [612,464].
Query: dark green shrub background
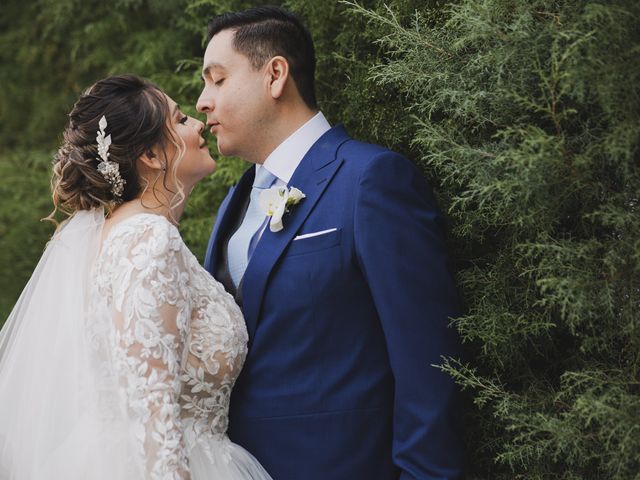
[522,114]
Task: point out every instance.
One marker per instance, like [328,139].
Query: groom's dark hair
[261,33]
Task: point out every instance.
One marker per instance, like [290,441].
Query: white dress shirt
[284,160]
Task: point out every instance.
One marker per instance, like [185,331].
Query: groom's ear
[278,74]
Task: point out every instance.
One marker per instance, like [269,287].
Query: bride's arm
[150,311]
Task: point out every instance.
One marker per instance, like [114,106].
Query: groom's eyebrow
[207,70]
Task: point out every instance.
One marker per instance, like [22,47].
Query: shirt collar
[284,160]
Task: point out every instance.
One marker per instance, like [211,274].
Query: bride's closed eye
[183,120]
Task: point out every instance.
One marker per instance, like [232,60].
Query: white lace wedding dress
[166,343]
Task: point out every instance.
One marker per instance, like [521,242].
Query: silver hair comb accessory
[109,170]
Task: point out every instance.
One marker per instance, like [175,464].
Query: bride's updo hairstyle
[136,112]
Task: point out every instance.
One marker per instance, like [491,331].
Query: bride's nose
[199,126]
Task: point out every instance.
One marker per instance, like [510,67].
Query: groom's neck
[284,124]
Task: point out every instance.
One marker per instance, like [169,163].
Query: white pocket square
[314,234]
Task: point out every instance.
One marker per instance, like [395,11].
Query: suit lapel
[227,215]
[312,176]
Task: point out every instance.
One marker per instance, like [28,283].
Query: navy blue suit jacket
[344,327]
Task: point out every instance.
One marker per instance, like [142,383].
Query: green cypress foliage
[527,114]
[24,190]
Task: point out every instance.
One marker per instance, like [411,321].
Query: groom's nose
[205,102]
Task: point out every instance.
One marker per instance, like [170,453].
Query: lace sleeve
[150,312]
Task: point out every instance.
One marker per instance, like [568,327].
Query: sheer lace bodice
[178,340]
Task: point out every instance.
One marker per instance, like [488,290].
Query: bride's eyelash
[183,120]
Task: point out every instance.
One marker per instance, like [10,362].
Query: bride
[118,360]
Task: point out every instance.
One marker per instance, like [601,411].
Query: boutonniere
[275,202]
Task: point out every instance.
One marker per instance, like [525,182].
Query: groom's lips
[212,126]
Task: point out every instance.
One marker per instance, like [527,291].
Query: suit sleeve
[401,250]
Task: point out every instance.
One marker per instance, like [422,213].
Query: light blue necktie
[241,241]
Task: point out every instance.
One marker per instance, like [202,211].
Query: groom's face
[235,98]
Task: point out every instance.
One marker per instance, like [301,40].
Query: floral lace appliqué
[179,341]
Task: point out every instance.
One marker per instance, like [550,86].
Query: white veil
[61,414]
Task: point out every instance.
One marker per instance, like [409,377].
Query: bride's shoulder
[141,229]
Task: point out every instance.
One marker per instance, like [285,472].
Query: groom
[347,306]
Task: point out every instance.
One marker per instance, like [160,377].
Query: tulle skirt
[219,458]
[93,452]
[89,450]
[213,456]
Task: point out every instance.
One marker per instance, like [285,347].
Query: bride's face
[196,162]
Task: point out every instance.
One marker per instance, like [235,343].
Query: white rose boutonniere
[275,202]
